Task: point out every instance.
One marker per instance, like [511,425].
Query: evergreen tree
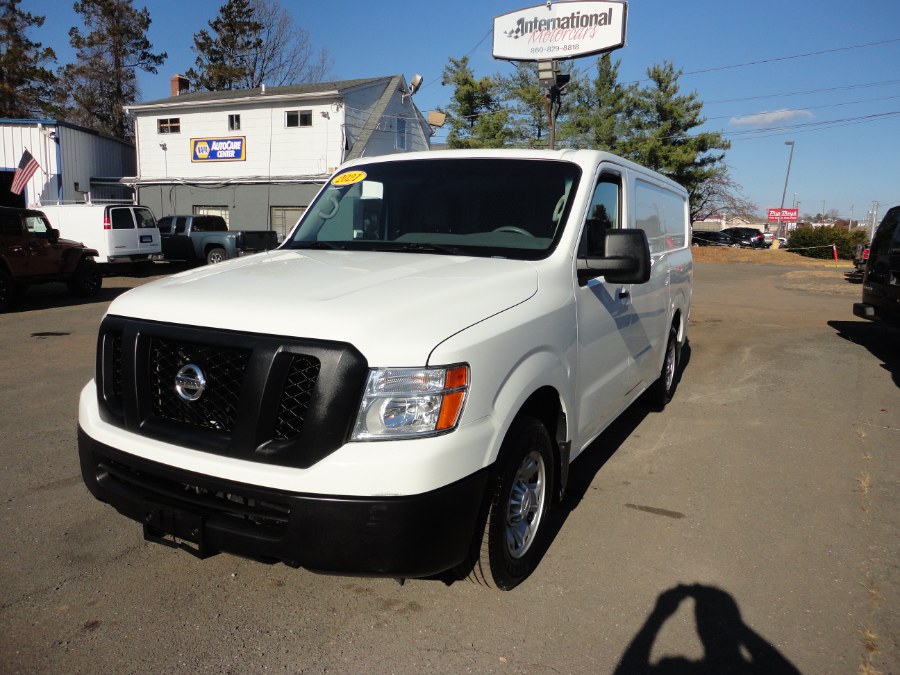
[104,77]
[476,118]
[224,56]
[26,84]
[597,109]
[663,138]
[527,105]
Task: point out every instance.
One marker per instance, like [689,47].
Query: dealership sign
[560,30]
[219,149]
[784,215]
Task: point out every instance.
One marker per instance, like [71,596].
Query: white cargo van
[400,388]
[121,233]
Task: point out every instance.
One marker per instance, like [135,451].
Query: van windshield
[512,208]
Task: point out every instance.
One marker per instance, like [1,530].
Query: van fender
[539,385]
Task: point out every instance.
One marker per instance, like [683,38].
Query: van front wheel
[517,519]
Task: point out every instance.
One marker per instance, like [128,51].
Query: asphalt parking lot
[754,522]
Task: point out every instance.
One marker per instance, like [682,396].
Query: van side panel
[660,213]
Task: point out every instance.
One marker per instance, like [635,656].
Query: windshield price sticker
[349,178]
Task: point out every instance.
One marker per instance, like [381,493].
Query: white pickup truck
[400,387]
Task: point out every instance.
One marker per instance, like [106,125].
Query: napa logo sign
[232,149]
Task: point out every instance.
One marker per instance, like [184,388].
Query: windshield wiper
[420,247]
[316,245]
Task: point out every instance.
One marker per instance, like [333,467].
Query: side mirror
[626,259]
[53,234]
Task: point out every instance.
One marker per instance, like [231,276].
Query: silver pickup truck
[205,237]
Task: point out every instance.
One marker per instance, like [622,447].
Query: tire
[522,491]
[216,255]
[662,391]
[87,280]
[7,290]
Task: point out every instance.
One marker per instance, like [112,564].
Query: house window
[401,134]
[170,125]
[234,122]
[298,118]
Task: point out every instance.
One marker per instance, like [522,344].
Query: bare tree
[720,194]
[255,42]
[286,54]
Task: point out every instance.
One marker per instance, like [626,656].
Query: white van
[122,233]
[398,389]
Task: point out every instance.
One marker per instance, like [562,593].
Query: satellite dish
[415,83]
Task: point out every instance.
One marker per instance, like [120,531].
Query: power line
[803,93]
[788,58]
[815,107]
[767,132]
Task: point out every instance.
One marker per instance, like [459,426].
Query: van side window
[602,215]
[661,214]
[121,219]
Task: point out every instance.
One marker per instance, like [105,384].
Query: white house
[70,158]
[258,156]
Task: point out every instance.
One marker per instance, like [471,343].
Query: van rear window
[144,218]
[121,219]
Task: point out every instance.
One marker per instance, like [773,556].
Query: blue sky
[825,74]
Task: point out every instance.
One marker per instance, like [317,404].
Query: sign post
[559,31]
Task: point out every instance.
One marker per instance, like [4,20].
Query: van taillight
[106,225]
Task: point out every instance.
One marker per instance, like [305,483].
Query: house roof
[293,90]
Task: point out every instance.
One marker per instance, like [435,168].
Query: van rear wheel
[517,518]
[662,391]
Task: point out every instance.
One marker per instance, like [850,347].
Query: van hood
[394,307]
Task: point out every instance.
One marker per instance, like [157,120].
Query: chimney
[179,84]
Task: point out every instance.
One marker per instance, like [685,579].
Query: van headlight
[411,402]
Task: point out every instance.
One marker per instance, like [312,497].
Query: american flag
[27,166]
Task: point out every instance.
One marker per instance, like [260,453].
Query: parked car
[121,233]
[713,239]
[881,281]
[32,252]
[207,238]
[748,237]
[399,389]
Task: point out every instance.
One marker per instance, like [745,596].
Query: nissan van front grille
[222,369]
[261,398]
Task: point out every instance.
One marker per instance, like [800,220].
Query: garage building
[257,157]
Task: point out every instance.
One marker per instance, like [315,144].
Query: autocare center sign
[233,149]
[560,30]
[784,215]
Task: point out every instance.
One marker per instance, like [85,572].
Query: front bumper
[410,536]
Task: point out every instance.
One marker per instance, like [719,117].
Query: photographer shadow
[729,645]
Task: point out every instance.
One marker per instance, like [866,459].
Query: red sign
[786,215]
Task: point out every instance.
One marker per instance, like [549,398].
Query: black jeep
[31,252]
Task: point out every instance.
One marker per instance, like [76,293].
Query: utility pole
[784,192]
[875,206]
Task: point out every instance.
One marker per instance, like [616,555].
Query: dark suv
[881,282]
[748,237]
[31,252]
